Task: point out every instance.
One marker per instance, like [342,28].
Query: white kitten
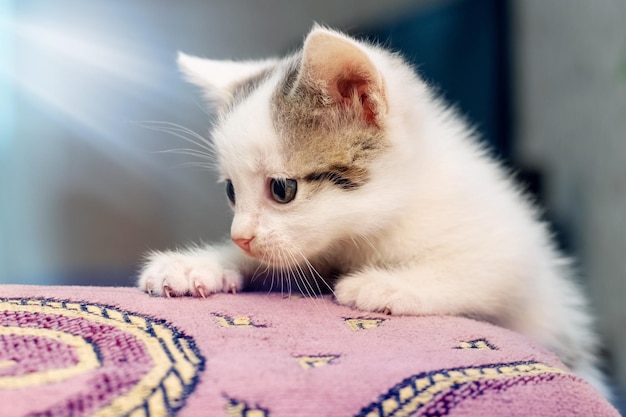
[339,162]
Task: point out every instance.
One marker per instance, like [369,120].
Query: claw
[387,311]
[167,291]
[201,290]
[233,288]
[149,290]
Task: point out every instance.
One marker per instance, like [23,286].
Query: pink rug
[79,351]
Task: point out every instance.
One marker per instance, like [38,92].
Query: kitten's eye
[230,191]
[283,190]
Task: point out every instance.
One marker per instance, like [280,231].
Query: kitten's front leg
[423,289]
[195,271]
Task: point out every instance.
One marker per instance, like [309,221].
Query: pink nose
[243,243]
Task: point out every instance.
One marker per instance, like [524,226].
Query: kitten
[342,167]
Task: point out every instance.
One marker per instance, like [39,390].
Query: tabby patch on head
[329,111]
[328,108]
[244,88]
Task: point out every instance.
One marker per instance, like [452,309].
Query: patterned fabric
[117,352]
[128,364]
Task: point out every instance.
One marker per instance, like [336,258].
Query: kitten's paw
[377,291]
[196,273]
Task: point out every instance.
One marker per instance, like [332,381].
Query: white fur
[439,229]
[218,77]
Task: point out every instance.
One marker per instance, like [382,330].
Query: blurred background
[85,189]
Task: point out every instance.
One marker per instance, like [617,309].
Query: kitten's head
[302,144]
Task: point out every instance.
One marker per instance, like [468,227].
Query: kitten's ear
[218,79]
[340,69]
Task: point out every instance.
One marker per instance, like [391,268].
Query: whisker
[269,291]
[275,268]
[200,152]
[267,268]
[192,164]
[312,276]
[256,271]
[369,243]
[316,273]
[282,273]
[175,127]
[180,132]
[315,279]
[282,288]
[301,275]
[203,109]
[297,281]
[269,271]
[191,152]
[288,281]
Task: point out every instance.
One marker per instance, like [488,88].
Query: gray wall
[571,89]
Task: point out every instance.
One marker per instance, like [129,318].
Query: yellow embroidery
[406,399]
[309,362]
[480,344]
[405,393]
[7,364]
[186,369]
[227,321]
[174,390]
[169,358]
[140,412]
[362,324]
[390,405]
[236,408]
